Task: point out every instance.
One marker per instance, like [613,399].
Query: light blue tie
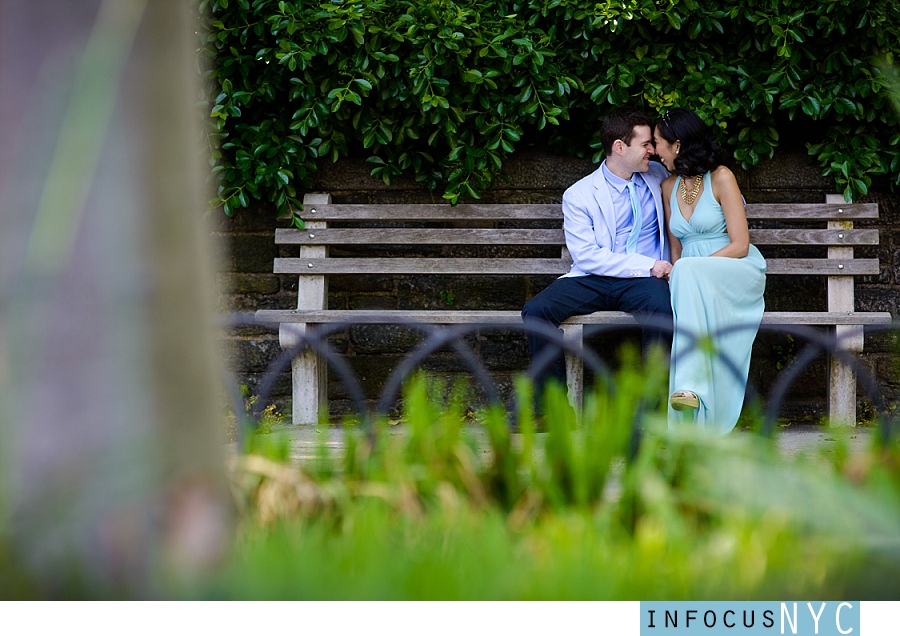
[631,243]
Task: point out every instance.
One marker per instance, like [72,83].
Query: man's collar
[615,181]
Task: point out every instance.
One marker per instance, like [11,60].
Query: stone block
[879,341]
[523,196]
[253,302]
[519,251]
[391,251]
[372,301]
[288,283]
[369,339]
[250,330]
[505,354]
[339,343]
[796,293]
[887,371]
[526,170]
[533,170]
[773,352]
[249,283]
[259,217]
[809,385]
[449,361]
[893,266]
[253,254]
[252,355]
[789,171]
[352,173]
[361,284]
[888,259]
[468,292]
[279,395]
[874,299]
[337,300]
[371,372]
[475,395]
[343,409]
[740,175]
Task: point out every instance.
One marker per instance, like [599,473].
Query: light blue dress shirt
[648,241]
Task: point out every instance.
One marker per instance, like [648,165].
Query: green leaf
[277,74]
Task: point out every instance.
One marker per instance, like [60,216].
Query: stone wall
[373,351]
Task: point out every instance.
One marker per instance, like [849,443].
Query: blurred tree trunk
[111,458]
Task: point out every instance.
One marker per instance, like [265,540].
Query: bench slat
[434,212]
[823,266]
[419,236]
[491,236]
[421,266]
[811,211]
[553,212]
[814,237]
[448,317]
[511,266]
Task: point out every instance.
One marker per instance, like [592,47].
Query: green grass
[572,513]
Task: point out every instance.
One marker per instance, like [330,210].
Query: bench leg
[308,378]
[574,368]
[842,381]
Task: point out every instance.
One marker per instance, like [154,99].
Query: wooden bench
[477,225]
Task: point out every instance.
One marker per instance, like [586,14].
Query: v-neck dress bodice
[718,298]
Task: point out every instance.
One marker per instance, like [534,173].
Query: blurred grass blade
[82,136]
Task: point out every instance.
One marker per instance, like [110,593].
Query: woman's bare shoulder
[668,183]
[723,175]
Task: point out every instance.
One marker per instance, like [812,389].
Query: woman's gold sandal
[684,401]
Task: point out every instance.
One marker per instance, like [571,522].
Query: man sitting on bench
[615,232]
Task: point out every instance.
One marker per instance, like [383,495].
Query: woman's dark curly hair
[699,152]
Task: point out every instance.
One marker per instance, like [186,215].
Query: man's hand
[661,269]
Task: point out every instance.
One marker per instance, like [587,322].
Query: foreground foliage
[578,512]
[446,91]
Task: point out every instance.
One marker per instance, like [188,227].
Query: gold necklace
[690,197]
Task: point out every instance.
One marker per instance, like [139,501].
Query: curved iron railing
[437,337]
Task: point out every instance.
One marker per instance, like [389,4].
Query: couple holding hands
[668,242]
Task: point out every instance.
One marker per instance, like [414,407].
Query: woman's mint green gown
[710,295]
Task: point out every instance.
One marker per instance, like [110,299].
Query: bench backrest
[838,234]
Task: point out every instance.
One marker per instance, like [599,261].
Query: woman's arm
[674,243]
[728,194]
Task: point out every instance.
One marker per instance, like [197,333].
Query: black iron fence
[814,342]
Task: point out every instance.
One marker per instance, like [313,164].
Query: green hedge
[448,90]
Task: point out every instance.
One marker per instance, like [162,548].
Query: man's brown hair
[620,124]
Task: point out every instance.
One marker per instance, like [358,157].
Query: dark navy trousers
[576,295]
